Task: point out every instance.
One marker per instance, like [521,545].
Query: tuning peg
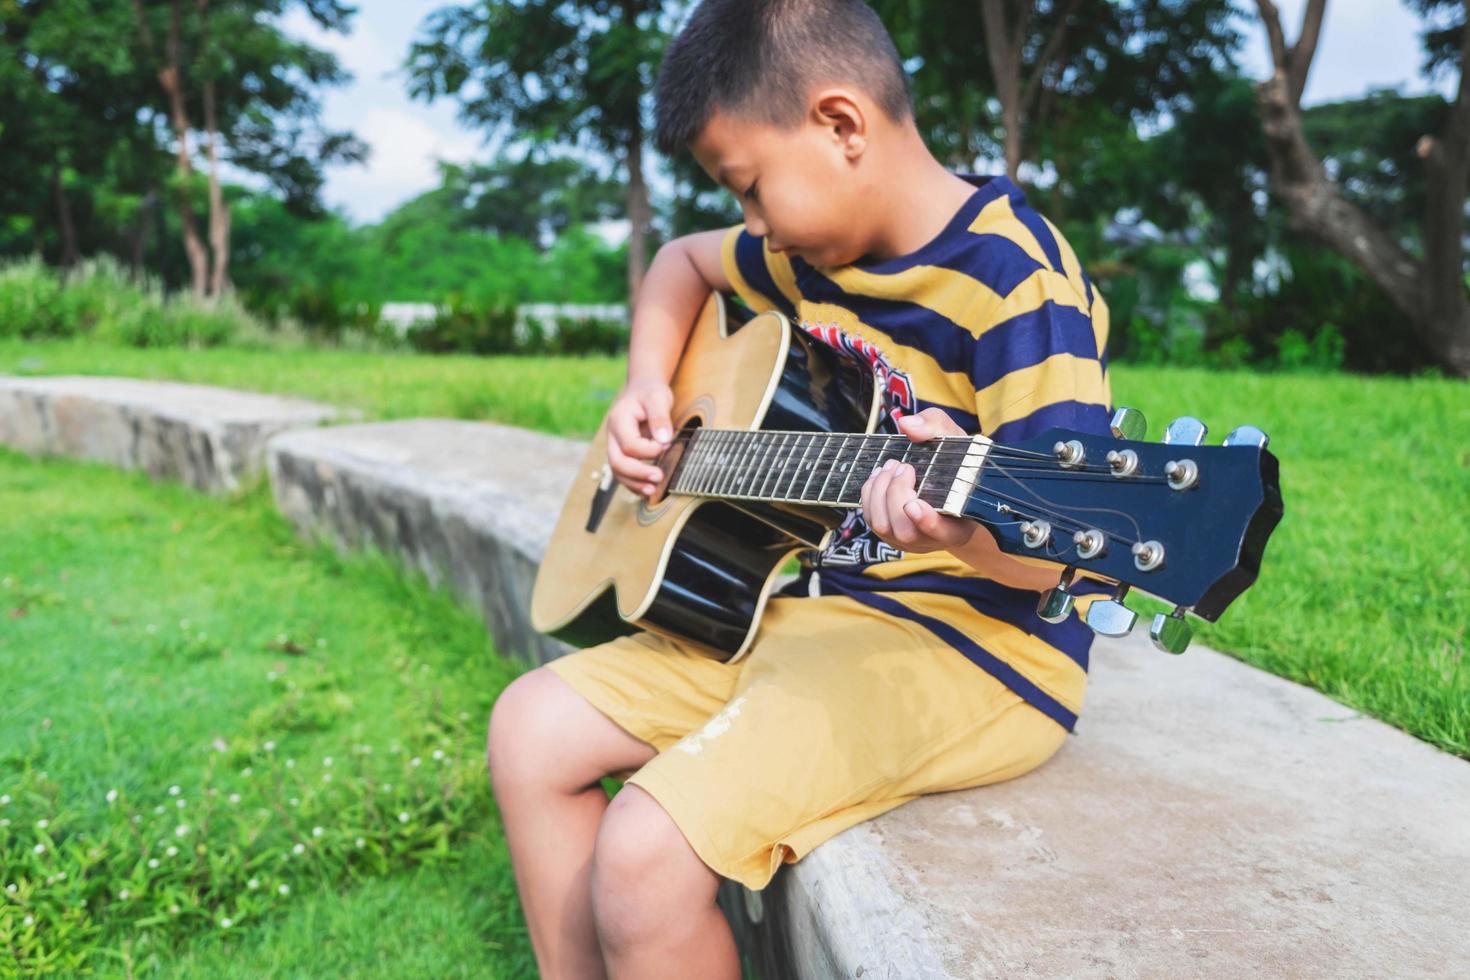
[1186,430]
[1110,617]
[1056,602]
[1171,633]
[1129,423]
[1247,435]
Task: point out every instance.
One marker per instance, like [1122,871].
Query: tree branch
[1048,54]
[1271,17]
[1305,48]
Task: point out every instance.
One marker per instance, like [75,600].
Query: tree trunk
[69,254]
[1003,46]
[170,78]
[638,215]
[219,212]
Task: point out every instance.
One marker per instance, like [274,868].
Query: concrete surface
[1206,820]
[213,439]
[471,505]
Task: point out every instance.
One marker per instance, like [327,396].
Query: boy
[913,661]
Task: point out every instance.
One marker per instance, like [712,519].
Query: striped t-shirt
[995,323]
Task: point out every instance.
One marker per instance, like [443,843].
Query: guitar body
[686,566]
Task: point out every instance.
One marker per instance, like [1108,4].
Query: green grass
[564,395]
[1364,591]
[155,638]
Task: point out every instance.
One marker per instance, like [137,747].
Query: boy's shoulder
[996,240]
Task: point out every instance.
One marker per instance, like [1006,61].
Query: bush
[464,326]
[327,310]
[99,299]
[587,335]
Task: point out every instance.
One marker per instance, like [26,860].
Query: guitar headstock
[1180,520]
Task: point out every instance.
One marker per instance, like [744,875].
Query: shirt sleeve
[1043,367]
[764,280]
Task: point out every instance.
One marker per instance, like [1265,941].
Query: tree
[1047,61]
[255,89]
[553,72]
[1428,284]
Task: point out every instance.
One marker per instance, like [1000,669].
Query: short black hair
[760,59]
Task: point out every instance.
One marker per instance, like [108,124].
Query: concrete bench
[1207,819]
[213,439]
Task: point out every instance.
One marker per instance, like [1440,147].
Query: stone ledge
[213,439]
[468,504]
[1208,819]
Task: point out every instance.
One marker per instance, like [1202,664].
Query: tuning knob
[1171,633]
[1247,435]
[1056,602]
[1186,430]
[1110,617]
[1129,423]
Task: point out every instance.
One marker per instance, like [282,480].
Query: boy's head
[792,105]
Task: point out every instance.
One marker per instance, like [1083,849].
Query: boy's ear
[841,113]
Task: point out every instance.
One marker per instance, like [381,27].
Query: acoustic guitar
[774,440]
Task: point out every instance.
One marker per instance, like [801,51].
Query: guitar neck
[823,469]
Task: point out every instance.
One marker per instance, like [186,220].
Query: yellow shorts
[838,714]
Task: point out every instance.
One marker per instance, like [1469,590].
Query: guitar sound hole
[672,458]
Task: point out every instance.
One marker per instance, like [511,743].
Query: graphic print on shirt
[854,543]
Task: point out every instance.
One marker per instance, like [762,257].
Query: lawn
[225,752]
[1365,592]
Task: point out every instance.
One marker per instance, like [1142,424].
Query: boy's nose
[755,225]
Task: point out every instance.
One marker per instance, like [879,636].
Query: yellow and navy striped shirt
[994,322]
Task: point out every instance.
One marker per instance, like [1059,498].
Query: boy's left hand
[892,507]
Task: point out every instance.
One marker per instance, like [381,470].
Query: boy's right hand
[639,430]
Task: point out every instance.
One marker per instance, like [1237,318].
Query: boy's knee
[522,725]
[643,871]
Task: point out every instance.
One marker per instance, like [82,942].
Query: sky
[1365,44]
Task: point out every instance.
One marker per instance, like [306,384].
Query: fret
[734,462]
[934,448]
[706,460]
[838,456]
[680,479]
[791,468]
[807,465]
[778,445]
[754,451]
[821,440]
[751,445]
[855,463]
[724,460]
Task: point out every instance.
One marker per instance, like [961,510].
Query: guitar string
[952,446]
[1048,509]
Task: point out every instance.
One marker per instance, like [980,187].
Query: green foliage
[587,335]
[230,850]
[466,327]
[313,723]
[99,300]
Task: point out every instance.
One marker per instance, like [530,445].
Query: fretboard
[819,468]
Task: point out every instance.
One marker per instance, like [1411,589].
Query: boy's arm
[893,509]
[677,284]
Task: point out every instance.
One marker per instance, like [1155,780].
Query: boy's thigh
[542,730]
[652,689]
[840,713]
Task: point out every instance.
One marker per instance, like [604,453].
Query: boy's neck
[918,200]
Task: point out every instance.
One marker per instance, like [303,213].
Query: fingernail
[889,464]
[663,435]
[913,509]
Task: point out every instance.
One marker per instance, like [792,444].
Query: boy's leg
[548,750]
[654,899]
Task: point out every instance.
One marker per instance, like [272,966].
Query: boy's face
[799,187]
